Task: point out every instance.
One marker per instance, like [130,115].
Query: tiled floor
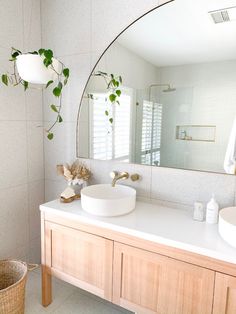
[67,299]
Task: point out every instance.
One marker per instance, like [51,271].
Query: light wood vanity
[131,268]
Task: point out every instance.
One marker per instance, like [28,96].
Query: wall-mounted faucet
[118,176]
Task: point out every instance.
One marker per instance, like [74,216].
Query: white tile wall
[21,149]
[93,26]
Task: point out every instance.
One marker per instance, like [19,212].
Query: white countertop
[157,223]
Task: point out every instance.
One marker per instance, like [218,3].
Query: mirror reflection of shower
[167,88]
[152,112]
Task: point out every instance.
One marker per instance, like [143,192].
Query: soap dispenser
[212,211]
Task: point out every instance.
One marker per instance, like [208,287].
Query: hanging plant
[113,84]
[39,67]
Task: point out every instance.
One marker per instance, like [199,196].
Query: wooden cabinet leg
[46,287]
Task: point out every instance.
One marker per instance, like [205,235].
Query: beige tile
[36,198]
[66,28]
[34,104]
[13,31]
[12,101]
[182,186]
[34,251]
[14,222]
[53,189]
[35,134]
[13,152]
[221,185]
[143,185]
[32,25]
[61,149]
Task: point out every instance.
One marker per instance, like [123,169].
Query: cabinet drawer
[80,258]
[225,294]
[149,283]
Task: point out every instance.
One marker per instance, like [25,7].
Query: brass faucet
[118,176]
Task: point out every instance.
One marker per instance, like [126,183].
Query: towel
[230,156]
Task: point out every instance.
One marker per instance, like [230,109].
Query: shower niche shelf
[198,133]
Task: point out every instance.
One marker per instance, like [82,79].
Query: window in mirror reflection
[111,140]
[151,133]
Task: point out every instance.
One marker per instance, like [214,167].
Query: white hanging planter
[32,69]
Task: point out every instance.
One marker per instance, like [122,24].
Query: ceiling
[182,32]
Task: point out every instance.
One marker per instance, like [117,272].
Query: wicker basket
[12,286]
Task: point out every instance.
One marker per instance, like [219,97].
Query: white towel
[230,156]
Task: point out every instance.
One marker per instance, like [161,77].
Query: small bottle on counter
[212,211]
[198,212]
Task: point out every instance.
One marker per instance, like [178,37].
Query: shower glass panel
[157,116]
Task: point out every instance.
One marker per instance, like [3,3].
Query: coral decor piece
[77,176]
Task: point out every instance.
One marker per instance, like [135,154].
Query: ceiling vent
[224,15]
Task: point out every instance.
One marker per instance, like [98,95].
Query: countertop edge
[143,235]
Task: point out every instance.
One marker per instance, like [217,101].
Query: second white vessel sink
[108,201]
[227,225]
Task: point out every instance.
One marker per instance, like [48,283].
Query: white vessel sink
[105,200]
[227,225]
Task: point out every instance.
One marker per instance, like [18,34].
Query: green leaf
[111,120]
[65,81]
[48,54]
[60,86]
[15,54]
[106,113]
[57,92]
[41,51]
[66,72]
[60,119]
[120,79]
[50,136]
[5,79]
[112,97]
[47,62]
[117,84]
[49,83]
[54,108]
[118,92]
[26,85]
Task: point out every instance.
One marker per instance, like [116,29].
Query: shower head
[169,89]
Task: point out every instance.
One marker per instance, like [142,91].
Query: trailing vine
[113,84]
[57,85]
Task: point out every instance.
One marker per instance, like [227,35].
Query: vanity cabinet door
[149,283]
[225,294]
[80,258]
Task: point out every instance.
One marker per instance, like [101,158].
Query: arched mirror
[164,92]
